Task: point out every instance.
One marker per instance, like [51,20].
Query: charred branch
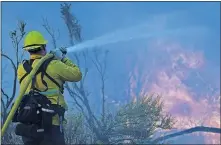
[188,131]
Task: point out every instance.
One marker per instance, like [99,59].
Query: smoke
[168,77]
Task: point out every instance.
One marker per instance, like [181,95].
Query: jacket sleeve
[67,71]
[20,73]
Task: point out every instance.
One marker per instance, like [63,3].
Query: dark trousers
[52,137]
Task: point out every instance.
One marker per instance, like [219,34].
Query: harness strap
[43,72]
[23,78]
[28,67]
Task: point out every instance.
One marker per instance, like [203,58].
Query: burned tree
[7,98]
[77,90]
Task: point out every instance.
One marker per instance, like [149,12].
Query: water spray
[156,26]
[138,32]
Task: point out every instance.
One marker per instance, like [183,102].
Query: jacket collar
[36,56]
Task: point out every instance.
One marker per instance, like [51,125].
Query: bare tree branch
[7,97]
[14,82]
[188,131]
[72,94]
[4,108]
[50,31]
[101,70]
[16,37]
[74,30]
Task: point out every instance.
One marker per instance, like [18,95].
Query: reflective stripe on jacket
[60,72]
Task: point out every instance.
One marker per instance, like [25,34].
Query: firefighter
[41,123]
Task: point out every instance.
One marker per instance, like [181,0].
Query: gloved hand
[63,50]
[59,53]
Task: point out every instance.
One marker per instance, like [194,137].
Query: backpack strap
[43,69]
[28,67]
[27,64]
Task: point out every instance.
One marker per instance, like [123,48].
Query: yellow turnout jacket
[60,71]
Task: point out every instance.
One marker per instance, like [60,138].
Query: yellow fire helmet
[33,40]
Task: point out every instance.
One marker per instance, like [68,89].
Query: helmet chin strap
[43,47]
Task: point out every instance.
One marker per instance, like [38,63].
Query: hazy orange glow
[165,76]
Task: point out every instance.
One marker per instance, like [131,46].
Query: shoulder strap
[27,66]
[43,72]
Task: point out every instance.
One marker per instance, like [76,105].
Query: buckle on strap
[58,109]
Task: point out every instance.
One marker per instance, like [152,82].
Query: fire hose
[22,92]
